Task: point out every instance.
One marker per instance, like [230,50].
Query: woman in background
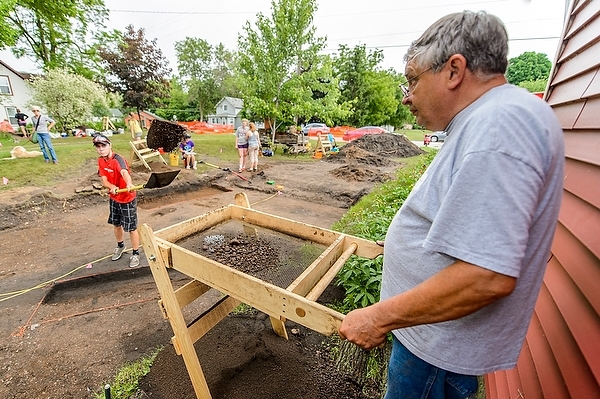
[241,143]
[253,146]
[21,121]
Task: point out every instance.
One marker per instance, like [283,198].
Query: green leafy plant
[361,279]
[127,379]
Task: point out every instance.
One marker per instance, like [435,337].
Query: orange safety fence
[204,127]
[338,131]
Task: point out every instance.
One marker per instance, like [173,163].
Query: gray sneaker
[117,253]
[134,261]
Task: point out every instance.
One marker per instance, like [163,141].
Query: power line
[406,45]
[323,16]
[185,12]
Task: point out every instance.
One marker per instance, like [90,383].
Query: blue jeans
[46,145]
[412,378]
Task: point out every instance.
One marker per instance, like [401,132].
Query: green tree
[136,69]
[178,104]
[372,94]
[224,72]
[8,33]
[206,73]
[529,66]
[279,67]
[55,33]
[194,61]
[68,97]
[379,102]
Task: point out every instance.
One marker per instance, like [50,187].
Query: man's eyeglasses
[409,85]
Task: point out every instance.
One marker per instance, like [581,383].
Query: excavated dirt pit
[175,198]
[71,342]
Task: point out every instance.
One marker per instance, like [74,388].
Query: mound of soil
[352,153]
[385,145]
[243,359]
[376,150]
[356,173]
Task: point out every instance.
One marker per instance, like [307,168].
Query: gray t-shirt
[490,197]
[240,135]
[43,125]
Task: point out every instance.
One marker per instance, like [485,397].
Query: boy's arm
[127,178]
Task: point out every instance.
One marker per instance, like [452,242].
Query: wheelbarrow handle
[134,188]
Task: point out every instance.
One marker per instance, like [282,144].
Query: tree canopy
[68,97]
[205,72]
[178,105]
[136,69]
[529,66]
[8,33]
[373,94]
[282,77]
[54,33]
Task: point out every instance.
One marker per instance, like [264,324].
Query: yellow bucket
[173,159]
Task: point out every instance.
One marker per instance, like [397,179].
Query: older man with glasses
[42,124]
[466,253]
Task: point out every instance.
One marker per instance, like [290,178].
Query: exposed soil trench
[67,339]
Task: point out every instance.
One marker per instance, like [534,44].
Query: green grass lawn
[77,155]
[74,155]
[414,135]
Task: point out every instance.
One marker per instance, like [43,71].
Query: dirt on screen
[72,317]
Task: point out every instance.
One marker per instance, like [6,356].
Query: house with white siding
[14,93]
[227,112]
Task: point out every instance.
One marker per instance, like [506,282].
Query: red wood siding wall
[561,355]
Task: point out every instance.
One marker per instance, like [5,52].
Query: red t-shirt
[111,168]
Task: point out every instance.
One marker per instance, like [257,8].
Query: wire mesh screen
[270,256]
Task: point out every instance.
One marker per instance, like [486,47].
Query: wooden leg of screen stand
[173,312]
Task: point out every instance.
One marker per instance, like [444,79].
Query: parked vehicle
[314,129]
[437,136]
[356,133]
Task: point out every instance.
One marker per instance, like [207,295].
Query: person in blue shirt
[186,147]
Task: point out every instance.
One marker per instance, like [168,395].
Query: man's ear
[457,67]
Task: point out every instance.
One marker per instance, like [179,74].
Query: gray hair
[480,37]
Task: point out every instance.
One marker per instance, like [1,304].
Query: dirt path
[67,340]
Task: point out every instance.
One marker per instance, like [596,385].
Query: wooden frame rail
[296,302]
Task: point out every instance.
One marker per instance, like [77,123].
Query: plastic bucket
[173,159]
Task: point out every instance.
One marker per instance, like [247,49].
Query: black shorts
[243,145]
[124,215]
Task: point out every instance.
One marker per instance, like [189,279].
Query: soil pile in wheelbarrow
[166,135]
